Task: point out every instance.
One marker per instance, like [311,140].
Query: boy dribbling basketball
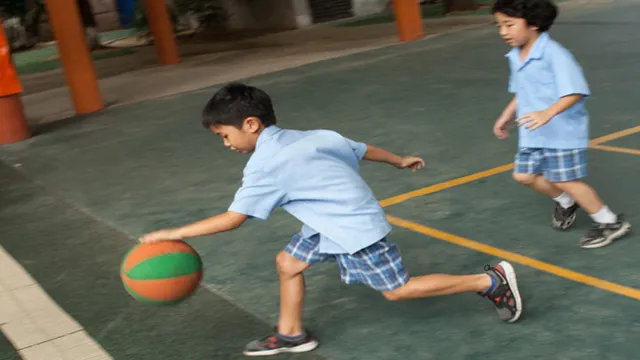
[314,175]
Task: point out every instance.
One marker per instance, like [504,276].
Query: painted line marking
[445,185]
[616,149]
[616,135]
[595,144]
[516,258]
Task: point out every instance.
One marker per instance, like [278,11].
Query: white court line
[36,326]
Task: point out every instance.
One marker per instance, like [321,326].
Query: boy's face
[241,140]
[515,31]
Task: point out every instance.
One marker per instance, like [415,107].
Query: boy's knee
[289,265]
[565,185]
[524,179]
[392,295]
[397,294]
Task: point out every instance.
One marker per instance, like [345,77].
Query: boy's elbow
[236,219]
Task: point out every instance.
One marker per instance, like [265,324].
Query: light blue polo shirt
[314,176]
[549,73]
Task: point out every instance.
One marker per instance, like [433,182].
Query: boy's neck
[526,48]
[260,130]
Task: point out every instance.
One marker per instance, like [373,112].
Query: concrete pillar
[162,30]
[408,20]
[64,17]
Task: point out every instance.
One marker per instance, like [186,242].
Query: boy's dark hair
[539,13]
[236,102]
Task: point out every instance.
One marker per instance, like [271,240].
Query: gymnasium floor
[74,198]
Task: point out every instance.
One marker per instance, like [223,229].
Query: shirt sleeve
[358,148]
[568,75]
[258,196]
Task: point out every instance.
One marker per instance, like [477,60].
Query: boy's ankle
[487,284]
[289,331]
[293,338]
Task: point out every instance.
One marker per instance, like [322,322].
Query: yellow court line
[517,258]
[445,185]
[615,135]
[595,143]
[616,149]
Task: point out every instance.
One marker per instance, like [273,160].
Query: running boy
[314,175]
[550,92]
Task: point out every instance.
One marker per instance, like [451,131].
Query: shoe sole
[510,274]
[298,349]
[624,230]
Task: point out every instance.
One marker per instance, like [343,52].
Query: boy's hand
[534,120]
[500,129]
[161,235]
[412,162]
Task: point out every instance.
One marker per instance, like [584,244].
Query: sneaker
[564,218]
[505,295]
[274,344]
[604,234]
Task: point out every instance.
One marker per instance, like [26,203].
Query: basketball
[161,273]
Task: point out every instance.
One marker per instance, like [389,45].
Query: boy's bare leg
[607,226]
[564,214]
[498,284]
[539,184]
[291,336]
[292,288]
[584,195]
[440,284]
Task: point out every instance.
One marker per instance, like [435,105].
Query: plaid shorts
[557,165]
[378,266]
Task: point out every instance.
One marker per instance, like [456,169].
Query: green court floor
[74,198]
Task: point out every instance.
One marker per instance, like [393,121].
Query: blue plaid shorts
[557,165]
[378,266]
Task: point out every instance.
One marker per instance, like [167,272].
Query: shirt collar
[536,51]
[266,134]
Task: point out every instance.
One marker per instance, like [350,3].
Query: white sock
[565,200]
[604,216]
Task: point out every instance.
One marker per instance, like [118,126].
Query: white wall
[302,13]
[368,7]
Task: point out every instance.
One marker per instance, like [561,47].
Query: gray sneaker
[505,295]
[274,344]
[564,218]
[604,234]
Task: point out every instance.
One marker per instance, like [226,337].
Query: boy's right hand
[161,235]
[412,162]
[500,129]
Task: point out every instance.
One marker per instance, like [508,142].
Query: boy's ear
[251,124]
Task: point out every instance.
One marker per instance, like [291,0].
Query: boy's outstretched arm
[220,223]
[377,154]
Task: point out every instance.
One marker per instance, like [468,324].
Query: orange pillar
[162,30]
[75,57]
[13,124]
[408,19]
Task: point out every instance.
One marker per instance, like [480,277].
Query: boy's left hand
[412,162]
[161,235]
[534,119]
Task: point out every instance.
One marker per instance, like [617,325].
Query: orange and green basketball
[165,272]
